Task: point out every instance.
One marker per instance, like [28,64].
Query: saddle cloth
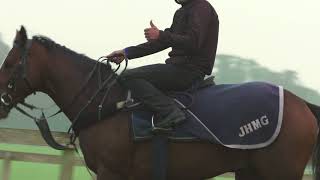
[241,116]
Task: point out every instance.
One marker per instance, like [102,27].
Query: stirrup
[159,130]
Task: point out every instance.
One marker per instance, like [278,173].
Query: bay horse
[40,64]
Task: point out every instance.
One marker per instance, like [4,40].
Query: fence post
[6,166]
[67,165]
[94,177]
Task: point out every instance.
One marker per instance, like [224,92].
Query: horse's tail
[316,154]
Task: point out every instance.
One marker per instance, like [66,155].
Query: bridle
[20,73]
[6,98]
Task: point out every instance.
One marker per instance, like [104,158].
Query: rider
[193,37]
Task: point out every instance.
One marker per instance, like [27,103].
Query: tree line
[4,49]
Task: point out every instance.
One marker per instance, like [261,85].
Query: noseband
[20,72]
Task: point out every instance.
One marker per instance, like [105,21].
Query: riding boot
[167,114]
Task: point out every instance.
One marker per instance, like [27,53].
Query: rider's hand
[152,33]
[117,56]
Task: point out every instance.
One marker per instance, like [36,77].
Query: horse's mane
[51,45]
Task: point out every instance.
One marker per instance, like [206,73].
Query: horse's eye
[15,44]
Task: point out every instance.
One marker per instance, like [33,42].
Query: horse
[40,64]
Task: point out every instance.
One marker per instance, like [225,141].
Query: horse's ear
[21,36]
[22,28]
[23,33]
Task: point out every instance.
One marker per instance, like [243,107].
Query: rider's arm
[145,49]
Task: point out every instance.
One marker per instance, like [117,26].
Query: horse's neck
[65,79]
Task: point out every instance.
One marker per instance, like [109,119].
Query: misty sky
[277,34]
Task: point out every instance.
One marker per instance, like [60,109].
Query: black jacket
[193,37]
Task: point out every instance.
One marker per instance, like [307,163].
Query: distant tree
[4,49]
[235,69]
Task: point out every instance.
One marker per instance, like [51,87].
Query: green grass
[38,171]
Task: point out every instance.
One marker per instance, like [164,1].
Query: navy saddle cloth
[242,116]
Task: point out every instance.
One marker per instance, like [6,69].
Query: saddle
[208,81]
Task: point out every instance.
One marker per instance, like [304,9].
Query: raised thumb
[152,25]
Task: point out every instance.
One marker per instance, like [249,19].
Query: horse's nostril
[6,99]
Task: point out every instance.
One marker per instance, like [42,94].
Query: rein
[20,72]
[103,84]
[106,84]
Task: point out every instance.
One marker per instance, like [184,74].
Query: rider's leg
[148,82]
[167,113]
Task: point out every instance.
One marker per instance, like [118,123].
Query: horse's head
[19,73]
